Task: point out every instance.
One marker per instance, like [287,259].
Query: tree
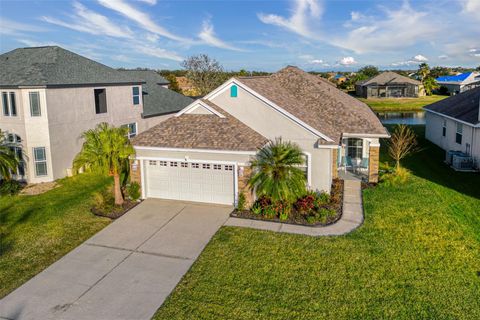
[276,173]
[205,73]
[430,84]
[173,83]
[423,70]
[106,150]
[8,160]
[402,143]
[369,71]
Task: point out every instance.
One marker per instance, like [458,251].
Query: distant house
[454,124]
[339,78]
[389,85]
[50,96]
[459,83]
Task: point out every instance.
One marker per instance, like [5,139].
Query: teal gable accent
[233,91]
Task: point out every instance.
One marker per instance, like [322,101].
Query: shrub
[398,177]
[104,200]
[10,187]
[242,202]
[264,202]
[256,209]
[282,209]
[133,191]
[269,211]
[305,204]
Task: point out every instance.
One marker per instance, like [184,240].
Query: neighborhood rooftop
[457,78]
[315,102]
[464,106]
[388,78]
[157,99]
[53,66]
[202,131]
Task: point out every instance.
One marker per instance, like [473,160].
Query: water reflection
[399,117]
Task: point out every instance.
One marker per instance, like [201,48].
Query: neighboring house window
[444,129]
[16,149]
[233,91]
[13,105]
[132,129]
[40,159]
[100,101]
[458,134]
[354,148]
[136,95]
[6,108]
[35,110]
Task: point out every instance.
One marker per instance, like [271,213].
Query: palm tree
[8,160]
[430,84]
[106,150]
[276,171]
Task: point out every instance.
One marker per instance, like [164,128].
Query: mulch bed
[116,211]
[295,217]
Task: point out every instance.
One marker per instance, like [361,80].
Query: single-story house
[389,85]
[453,124]
[459,83]
[203,153]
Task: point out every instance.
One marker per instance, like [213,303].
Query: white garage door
[190,181]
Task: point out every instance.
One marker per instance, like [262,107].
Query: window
[152,162]
[100,101]
[444,129]
[173,164]
[206,166]
[16,149]
[354,148]
[229,168]
[233,91]
[6,109]
[163,163]
[136,95]
[40,159]
[13,104]
[35,110]
[195,165]
[458,134]
[184,164]
[132,129]
[217,167]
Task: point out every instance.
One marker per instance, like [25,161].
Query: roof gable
[388,77]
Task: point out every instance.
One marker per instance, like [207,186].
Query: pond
[402,117]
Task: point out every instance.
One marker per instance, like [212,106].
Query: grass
[35,231]
[401,104]
[417,256]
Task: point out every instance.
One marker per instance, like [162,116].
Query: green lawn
[401,104]
[35,231]
[417,256]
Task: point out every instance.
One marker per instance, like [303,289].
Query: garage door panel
[190,182]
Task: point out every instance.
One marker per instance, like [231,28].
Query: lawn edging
[351,218]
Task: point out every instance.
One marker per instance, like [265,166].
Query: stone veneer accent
[334,163]
[373,164]
[135,173]
[243,184]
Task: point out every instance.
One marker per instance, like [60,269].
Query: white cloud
[121,58]
[474,52]
[150,2]
[9,27]
[420,58]
[347,61]
[34,43]
[443,57]
[159,53]
[207,35]
[302,12]
[91,22]
[398,29]
[472,7]
[141,18]
[152,37]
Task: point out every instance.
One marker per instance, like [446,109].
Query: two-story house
[50,96]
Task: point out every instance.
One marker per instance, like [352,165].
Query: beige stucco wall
[270,123]
[71,111]
[433,132]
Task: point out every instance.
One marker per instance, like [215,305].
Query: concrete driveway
[123,272]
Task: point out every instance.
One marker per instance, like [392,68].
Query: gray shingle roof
[156,99]
[202,131]
[315,102]
[464,106]
[54,66]
[388,77]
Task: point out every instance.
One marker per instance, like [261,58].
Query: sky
[316,35]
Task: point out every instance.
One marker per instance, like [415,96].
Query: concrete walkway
[352,217]
[123,272]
